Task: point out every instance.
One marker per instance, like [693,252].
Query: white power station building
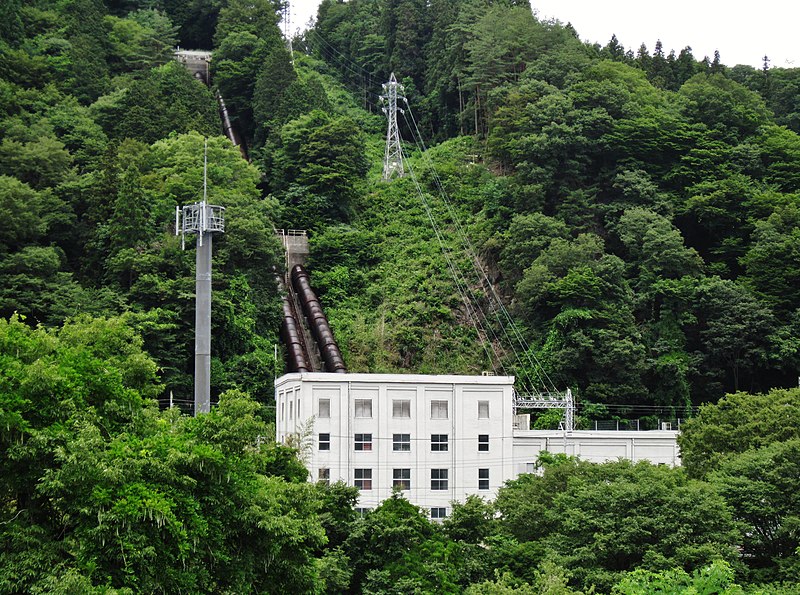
[436,438]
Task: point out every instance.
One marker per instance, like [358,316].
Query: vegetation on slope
[637,212]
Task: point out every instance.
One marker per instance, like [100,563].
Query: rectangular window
[401,408]
[363,441]
[439,442]
[401,442]
[363,479]
[483,442]
[324,441]
[530,467]
[362,512]
[363,407]
[291,405]
[483,409]
[438,479]
[483,479]
[324,408]
[283,411]
[324,476]
[401,479]
[438,409]
[438,513]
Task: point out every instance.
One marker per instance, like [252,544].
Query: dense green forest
[636,211]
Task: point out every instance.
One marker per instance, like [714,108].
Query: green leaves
[603,520]
[99,488]
[747,447]
[166,99]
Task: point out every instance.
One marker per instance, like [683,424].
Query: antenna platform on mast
[203,220]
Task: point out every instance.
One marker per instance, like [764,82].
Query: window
[438,479]
[483,442]
[363,479]
[362,512]
[483,479]
[401,479]
[324,476]
[363,407]
[483,409]
[438,409]
[324,408]
[401,408]
[291,404]
[282,411]
[530,467]
[363,441]
[438,513]
[438,442]
[401,442]
[324,441]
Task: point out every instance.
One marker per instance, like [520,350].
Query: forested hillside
[639,208]
[637,212]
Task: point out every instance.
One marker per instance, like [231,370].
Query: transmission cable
[461,286]
[483,277]
[484,281]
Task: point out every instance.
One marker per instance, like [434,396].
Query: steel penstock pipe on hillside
[317,321]
[290,335]
[227,126]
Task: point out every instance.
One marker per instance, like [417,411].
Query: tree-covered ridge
[636,211]
[635,208]
[100,142]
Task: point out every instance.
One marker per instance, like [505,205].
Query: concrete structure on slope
[437,438]
[197,61]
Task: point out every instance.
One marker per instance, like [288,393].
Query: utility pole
[203,220]
[393,159]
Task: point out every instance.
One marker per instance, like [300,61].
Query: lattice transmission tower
[393,160]
[286,17]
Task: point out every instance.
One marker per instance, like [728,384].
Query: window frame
[359,406]
[403,482]
[324,441]
[399,441]
[440,442]
[364,482]
[440,514]
[483,442]
[327,408]
[402,406]
[363,442]
[324,475]
[483,472]
[436,407]
[440,480]
[482,405]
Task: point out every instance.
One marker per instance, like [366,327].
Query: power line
[461,285]
[484,281]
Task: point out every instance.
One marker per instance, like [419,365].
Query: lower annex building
[437,438]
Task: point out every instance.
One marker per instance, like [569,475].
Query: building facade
[438,439]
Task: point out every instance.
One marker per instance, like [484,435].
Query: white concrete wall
[657,446]
[511,451]
[462,426]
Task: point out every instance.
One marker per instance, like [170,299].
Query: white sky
[743,32]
